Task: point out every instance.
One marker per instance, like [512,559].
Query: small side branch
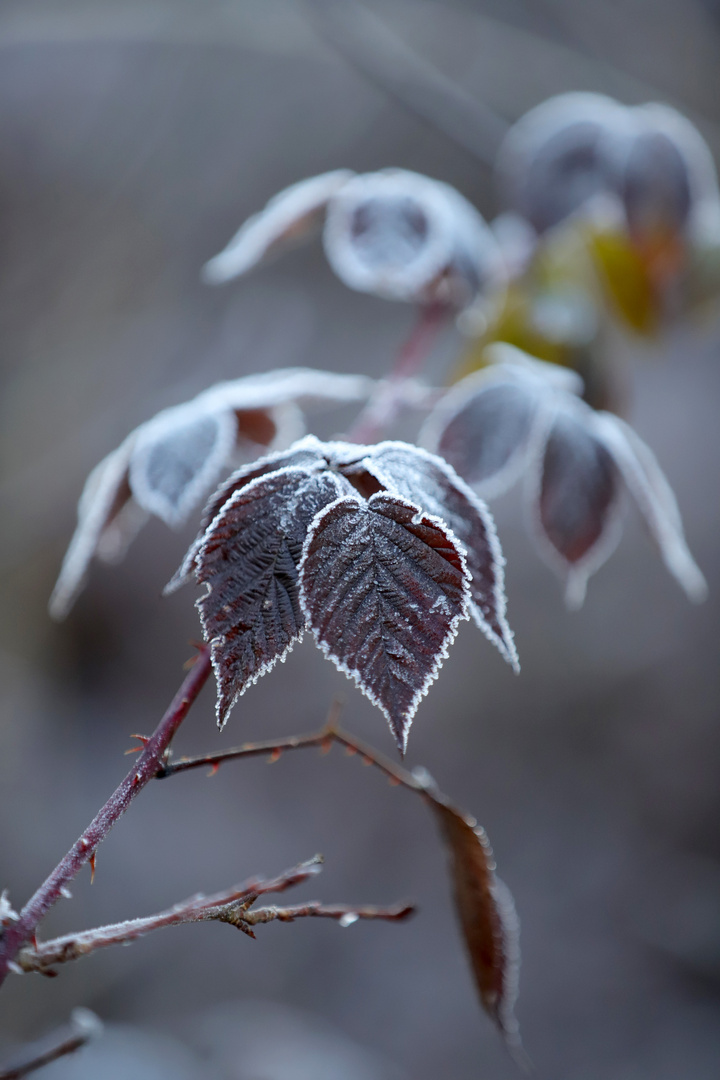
[323,739]
[233,906]
[345,914]
[84,1026]
[20,931]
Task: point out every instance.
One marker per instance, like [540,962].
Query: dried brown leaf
[486,912]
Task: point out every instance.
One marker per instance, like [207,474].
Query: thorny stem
[85,1026]
[232,906]
[323,739]
[17,933]
[390,395]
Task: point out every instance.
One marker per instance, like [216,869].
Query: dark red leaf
[384,588]
[579,489]
[306,456]
[429,482]
[486,912]
[249,558]
[486,439]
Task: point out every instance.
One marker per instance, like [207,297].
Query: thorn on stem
[214,768]
[92,866]
[274,756]
[199,645]
[143,739]
[333,717]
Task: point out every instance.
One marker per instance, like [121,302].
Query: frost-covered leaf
[248,559]
[578,494]
[486,913]
[384,587]
[106,493]
[168,464]
[487,426]
[305,454]
[177,456]
[483,428]
[655,498]
[284,385]
[561,156]
[425,479]
[288,217]
[405,236]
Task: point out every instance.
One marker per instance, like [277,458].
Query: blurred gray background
[134,139]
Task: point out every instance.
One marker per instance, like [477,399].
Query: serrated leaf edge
[442,653]
[506,646]
[222,715]
[187,567]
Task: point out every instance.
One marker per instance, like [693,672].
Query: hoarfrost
[248,559]
[370,578]
[290,216]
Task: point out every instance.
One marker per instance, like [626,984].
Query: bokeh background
[134,139]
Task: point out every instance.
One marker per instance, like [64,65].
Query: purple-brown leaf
[384,587]
[578,496]
[304,455]
[249,560]
[486,440]
[486,912]
[428,481]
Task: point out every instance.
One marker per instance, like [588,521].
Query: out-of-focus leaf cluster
[611,222]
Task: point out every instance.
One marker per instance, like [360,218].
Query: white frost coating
[506,644]
[507,365]
[216,660]
[326,647]
[395,233]
[7,912]
[518,362]
[456,400]
[601,121]
[277,392]
[510,923]
[576,575]
[286,384]
[656,501]
[216,644]
[308,443]
[96,503]
[288,216]
[169,428]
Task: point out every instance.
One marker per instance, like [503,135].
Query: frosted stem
[18,933]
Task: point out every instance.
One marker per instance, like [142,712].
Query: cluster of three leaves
[381,551]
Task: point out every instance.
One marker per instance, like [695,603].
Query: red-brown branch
[18,933]
[84,1026]
[233,906]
